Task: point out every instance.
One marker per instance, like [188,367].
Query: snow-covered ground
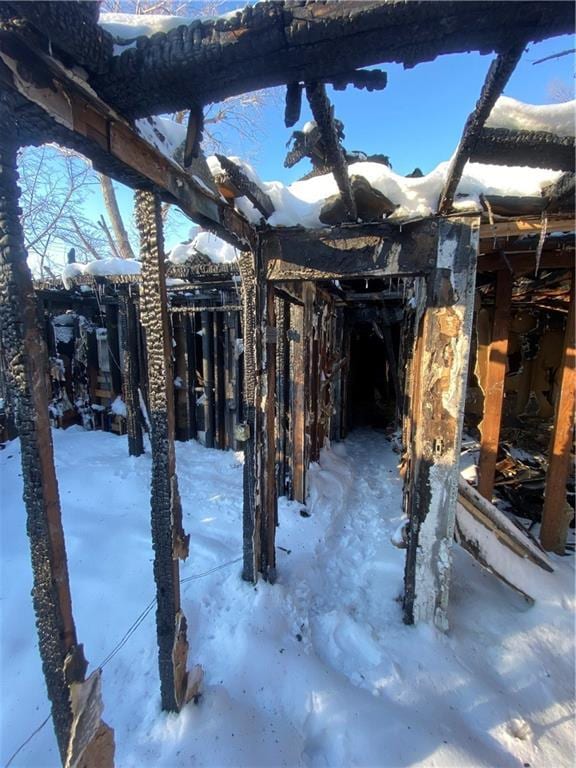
[317,670]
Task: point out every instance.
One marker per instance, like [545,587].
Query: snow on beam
[61,107]
[497,77]
[436,406]
[499,146]
[356,251]
[26,364]
[168,538]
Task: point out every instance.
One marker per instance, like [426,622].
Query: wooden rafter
[497,77]
[537,149]
[243,186]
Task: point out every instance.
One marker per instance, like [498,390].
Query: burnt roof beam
[498,75]
[536,149]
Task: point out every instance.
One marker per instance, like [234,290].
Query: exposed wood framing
[297,424]
[523,263]
[131,374]
[323,114]
[557,514]
[168,538]
[113,340]
[494,388]
[497,77]
[62,108]
[63,660]
[181,372]
[282,391]
[524,226]
[437,406]
[536,149]
[341,252]
[219,385]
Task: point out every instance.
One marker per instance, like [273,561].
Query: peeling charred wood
[26,369]
[497,77]
[131,375]
[208,376]
[71,30]
[363,79]
[536,149]
[276,43]
[293,104]
[245,187]
[561,195]
[194,132]
[324,115]
[64,110]
[337,253]
[555,516]
[437,408]
[168,538]
[524,226]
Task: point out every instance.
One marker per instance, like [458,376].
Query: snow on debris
[127,26]
[517,116]
[207,244]
[300,203]
[100,268]
[162,133]
[352,684]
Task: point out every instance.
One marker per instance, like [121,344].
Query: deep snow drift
[317,670]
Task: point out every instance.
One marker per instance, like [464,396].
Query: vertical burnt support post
[336,388]
[131,375]
[208,375]
[63,660]
[494,394]
[260,500]
[190,321]
[441,365]
[113,346]
[168,538]
[557,513]
[309,344]
[283,374]
[297,415]
[219,376]
[181,396]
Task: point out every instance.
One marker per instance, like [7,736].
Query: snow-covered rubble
[207,244]
[316,670]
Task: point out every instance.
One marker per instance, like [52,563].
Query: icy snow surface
[300,203]
[517,116]
[208,244]
[317,670]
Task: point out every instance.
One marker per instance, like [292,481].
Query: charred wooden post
[438,408]
[293,104]
[113,347]
[190,321]
[168,538]
[297,419]
[323,114]
[131,375]
[208,376]
[63,660]
[259,414]
[181,378]
[283,391]
[497,77]
[219,386]
[556,514]
[309,297]
[494,393]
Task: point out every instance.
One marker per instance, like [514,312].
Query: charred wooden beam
[324,115]
[194,133]
[363,79]
[26,368]
[561,194]
[201,273]
[168,539]
[557,514]
[131,374]
[536,149]
[246,187]
[494,389]
[497,77]
[71,31]
[62,108]
[341,252]
[293,104]
[277,43]
[437,408]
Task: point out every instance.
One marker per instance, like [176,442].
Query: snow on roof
[300,203]
[517,116]
[164,134]
[101,268]
[208,244]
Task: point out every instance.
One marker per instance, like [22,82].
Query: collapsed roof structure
[65,79]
